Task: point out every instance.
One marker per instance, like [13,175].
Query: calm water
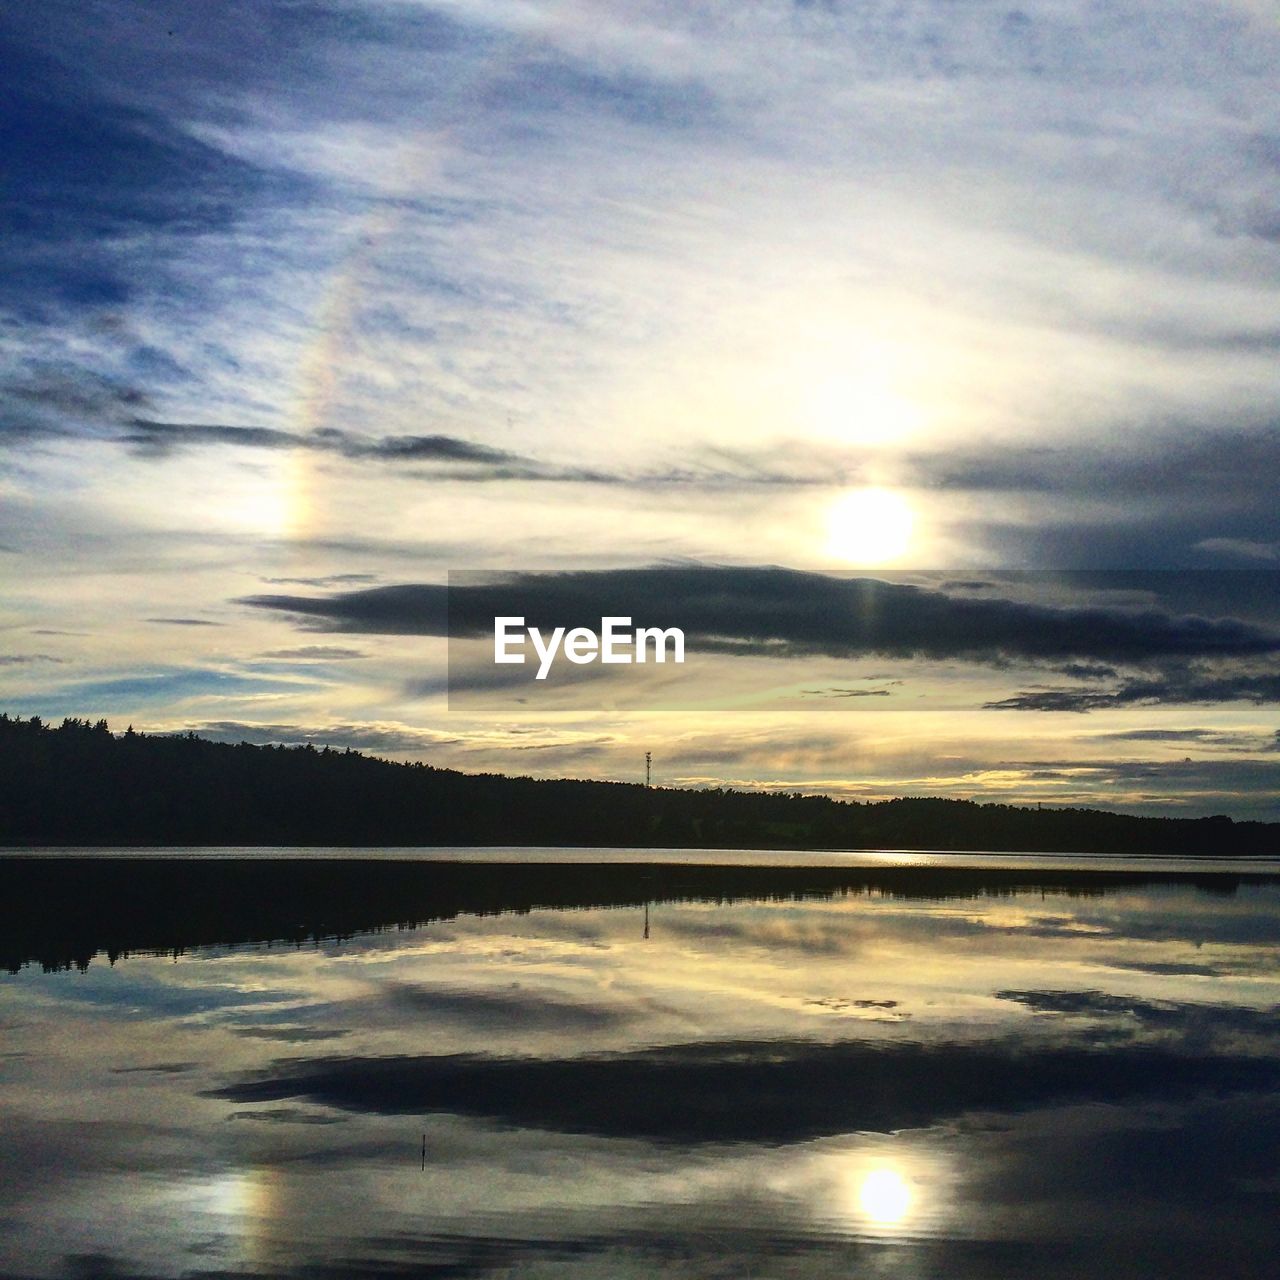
[1065,1070]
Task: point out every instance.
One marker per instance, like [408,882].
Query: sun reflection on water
[885,1197]
[885,1189]
[237,1208]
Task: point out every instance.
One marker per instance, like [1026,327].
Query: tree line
[80,784]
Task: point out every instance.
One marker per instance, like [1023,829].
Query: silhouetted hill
[79,784]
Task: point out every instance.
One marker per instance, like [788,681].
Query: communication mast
[648,761]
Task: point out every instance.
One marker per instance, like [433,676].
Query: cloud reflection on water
[984,1086]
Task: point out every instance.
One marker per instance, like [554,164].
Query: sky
[722,309]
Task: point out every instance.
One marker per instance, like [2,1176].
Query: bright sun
[884,1197]
[869,527]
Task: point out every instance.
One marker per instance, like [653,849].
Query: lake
[585,1063]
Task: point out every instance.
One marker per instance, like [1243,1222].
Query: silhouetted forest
[80,784]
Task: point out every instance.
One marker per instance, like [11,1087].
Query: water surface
[654,1068]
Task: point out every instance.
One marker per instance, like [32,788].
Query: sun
[869,527]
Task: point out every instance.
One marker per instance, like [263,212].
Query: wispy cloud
[315,653]
[185,622]
[1180,686]
[360,737]
[337,298]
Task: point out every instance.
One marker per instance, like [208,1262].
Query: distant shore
[80,785]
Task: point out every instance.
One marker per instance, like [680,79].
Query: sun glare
[884,1197]
[869,527]
[267,501]
[862,408]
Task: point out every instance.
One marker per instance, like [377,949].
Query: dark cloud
[1163,735]
[789,613]
[432,448]
[27,659]
[1169,968]
[1230,783]
[160,439]
[1086,670]
[1182,1015]
[1221,460]
[327,580]
[1185,686]
[396,610]
[185,622]
[157,1068]
[287,1115]
[1225,739]
[292,1035]
[1187,496]
[74,390]
[51,398]
[846,693]
[771,1092]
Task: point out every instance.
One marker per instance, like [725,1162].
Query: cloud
[285,1115]
[1242,548]
[1184,686]
[325,580]
[104,176]
[359,737]
[1230,739]
[617,250]
[790,465]
[471,460]
[151,688]
[847,693]
[55,397]
[780,1091]
[291,1035]
[556,86]
[1184,1016]
[1226,471]
[1227,460]
[1244,786]
[494,1011]
[788,613]
[315,653]
[160,437]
